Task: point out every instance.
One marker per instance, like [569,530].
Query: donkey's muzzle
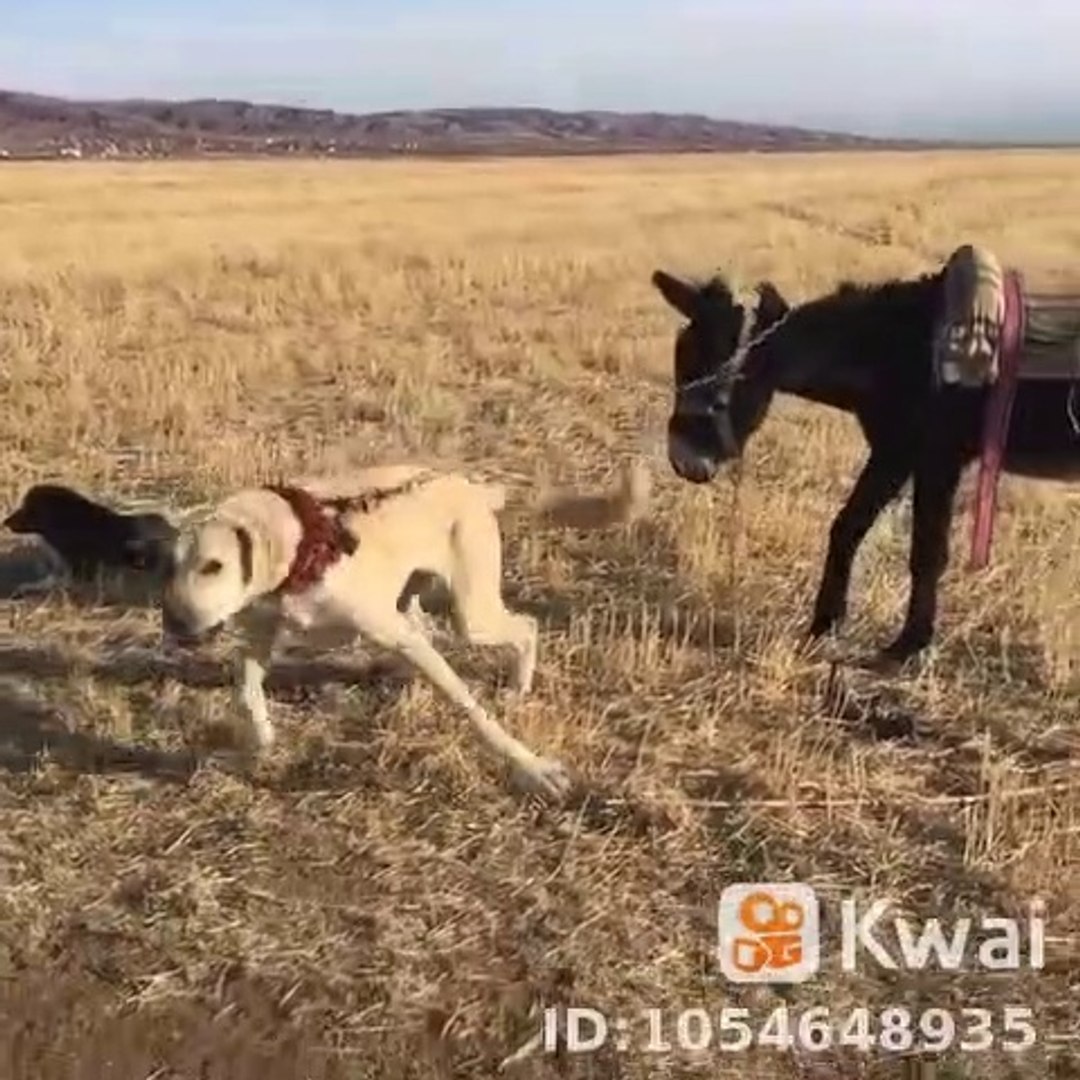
[689,463]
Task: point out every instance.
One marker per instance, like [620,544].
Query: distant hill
[32,125]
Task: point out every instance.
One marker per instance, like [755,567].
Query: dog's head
[210,579]
[48,507]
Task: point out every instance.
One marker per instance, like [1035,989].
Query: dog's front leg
[257,651]
[57,575]
[28,590]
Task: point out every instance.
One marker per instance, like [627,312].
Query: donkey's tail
[623,503]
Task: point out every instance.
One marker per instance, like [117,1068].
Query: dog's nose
[176,631]
[173,626]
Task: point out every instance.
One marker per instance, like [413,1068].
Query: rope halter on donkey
[730,370]
[726,375]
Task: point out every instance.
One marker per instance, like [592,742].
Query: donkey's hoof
[904,648]
[825,622]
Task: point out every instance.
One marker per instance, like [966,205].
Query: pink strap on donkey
[996,424]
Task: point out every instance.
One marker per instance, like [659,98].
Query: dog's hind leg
[480,615]
[419,583]
[393,630]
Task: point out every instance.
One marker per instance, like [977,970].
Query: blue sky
[934,67]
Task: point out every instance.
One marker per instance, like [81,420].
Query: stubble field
[375,901]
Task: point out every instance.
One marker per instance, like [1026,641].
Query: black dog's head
[48,507]
[88,535]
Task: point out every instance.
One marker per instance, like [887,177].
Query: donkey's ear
[771,305]
[682,295]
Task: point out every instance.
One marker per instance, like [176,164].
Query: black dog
[89,537]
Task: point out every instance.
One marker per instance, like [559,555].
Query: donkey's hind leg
[936,483]
[480,615]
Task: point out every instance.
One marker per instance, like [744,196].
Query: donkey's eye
[211,567]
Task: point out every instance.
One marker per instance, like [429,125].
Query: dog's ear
[771,304]
[247,553]
[683,296]
[148,553]
[137,553]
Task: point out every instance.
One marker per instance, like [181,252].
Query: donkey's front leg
[878,484]
[936,481]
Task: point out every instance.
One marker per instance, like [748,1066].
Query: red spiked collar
[323,538]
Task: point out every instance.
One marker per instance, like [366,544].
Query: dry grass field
[376,901]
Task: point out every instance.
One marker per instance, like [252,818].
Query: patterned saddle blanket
[967,345]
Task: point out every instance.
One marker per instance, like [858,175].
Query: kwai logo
[769,932]
[994,943]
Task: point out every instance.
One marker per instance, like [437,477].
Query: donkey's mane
[718,288]
[896,309]
[860,291]
[898,306]
[878,295]
[848,295]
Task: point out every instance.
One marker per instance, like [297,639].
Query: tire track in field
[880,235]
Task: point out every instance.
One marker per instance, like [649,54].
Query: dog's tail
[621,504]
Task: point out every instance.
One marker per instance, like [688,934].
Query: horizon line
[989,141]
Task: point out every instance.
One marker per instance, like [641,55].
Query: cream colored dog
[338,554]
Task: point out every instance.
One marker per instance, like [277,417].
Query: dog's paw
[546,777]
[242,761]
[519,685]
[29,590]
[524,677]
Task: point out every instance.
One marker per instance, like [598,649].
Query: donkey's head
[720,398]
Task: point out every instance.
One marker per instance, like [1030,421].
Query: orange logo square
[768,932]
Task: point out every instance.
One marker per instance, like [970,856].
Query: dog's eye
[211,567]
